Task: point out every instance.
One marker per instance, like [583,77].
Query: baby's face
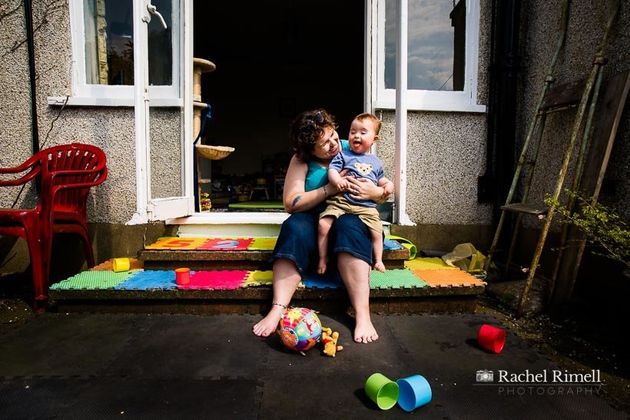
[362,135]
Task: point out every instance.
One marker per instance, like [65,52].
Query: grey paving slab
[116,397]
[58,344]
[191,346]
[157,365]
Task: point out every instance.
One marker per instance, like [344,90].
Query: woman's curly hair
[306,129]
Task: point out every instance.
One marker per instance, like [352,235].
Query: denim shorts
[297,240]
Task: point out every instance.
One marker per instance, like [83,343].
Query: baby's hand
[342,185]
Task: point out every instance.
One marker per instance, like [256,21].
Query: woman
[306,187]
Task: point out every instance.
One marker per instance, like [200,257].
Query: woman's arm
[294,197]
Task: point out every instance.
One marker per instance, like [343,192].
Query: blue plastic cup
[414,392]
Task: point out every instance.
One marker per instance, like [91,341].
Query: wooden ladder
[582,94]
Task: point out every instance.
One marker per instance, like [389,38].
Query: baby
[357,162]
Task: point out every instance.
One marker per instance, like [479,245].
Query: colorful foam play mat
[418,272]
[230,244]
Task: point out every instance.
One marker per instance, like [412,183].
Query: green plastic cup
[382,390]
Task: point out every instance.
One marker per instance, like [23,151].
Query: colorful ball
[299,328]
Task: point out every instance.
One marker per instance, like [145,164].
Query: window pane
[161,45]
[109,43]
[436,40]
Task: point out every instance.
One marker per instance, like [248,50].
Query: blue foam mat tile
[152,279]
[391,245]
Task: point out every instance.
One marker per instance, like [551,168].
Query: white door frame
[148,208]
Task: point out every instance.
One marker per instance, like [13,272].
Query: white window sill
[473,108]
[219,218]
[117,102]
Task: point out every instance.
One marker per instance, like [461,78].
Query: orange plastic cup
[182,275]
[491,338]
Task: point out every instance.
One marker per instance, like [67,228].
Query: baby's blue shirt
[363,165]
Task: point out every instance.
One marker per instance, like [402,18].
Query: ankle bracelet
[279,304]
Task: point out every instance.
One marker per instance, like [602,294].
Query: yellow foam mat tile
[258,278]
[434,263]
[437,278]
[263,244]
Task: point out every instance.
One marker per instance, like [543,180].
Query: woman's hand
[364,189]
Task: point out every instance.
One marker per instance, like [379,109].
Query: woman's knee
[352,236]
[350,224]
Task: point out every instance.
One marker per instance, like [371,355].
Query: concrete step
[256,300]
[154,259]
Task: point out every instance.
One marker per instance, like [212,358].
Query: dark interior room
[273,60]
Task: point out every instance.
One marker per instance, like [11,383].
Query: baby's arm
[387,185]
[337,180]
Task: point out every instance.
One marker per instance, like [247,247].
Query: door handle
[153,10]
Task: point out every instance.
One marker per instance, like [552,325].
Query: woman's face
[327,146]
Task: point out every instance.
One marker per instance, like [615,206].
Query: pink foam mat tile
[224,280]
[226,244]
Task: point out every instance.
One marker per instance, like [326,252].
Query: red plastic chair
[65,174]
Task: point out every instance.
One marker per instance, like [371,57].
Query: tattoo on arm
[296,200]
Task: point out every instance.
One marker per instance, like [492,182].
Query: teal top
[317,175]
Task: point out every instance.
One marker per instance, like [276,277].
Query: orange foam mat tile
[174,242]
[448,278]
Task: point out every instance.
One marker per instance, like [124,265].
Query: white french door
[163,136]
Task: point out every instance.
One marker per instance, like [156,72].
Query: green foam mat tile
[395,279]
[93,280]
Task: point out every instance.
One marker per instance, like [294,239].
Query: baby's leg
[325,224]
[377,244]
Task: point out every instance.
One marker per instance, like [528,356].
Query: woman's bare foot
[364,332]
[321,266]
[379,266]
[266,326]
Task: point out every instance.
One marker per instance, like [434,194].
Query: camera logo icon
[484,376]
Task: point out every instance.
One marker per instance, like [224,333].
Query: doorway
[273,60]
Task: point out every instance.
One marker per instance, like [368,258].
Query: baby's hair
[371,117]
[306,129]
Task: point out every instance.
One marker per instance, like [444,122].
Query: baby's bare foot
[379,266]
[321,266]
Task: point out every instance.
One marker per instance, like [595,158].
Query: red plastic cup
[491,338]
[182,275]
